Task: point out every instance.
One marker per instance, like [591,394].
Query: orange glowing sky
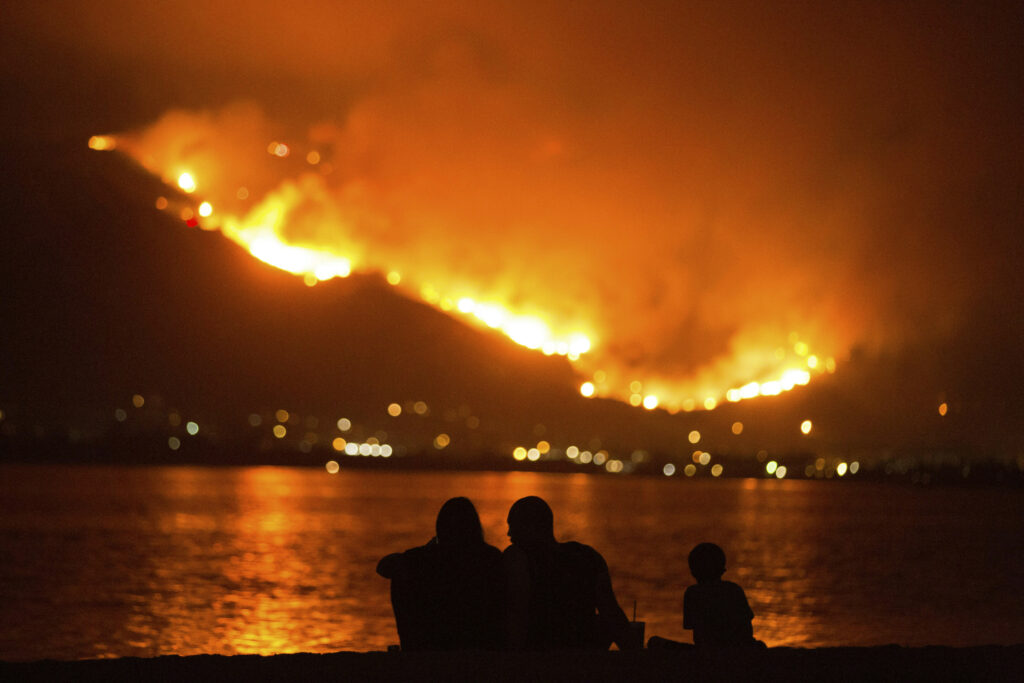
[699,189]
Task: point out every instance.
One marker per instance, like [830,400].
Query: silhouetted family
[458,592]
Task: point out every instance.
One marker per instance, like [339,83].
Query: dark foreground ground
[889,663]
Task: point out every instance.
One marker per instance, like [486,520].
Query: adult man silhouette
[559,595]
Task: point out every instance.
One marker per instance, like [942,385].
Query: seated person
[447,594]
[715,610]
[559,594]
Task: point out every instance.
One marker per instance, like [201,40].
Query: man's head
[530,522]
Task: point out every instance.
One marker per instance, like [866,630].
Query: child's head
[707,562]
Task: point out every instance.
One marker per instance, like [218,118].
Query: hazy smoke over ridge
[687,186]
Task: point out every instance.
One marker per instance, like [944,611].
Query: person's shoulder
[581,552]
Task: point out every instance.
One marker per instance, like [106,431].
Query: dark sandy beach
[887,663]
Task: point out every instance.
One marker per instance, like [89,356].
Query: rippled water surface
[184,560]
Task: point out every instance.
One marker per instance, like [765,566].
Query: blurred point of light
[138,401]
[690,470]
[120,415]
[394,410]
[780,473]
[668,470]
[635,386]
[819,464]
[385,450]
[543,447]
[695,456]
[773,388]
[278,149]
[420,408]
[174,443]
[332,467]
[586,457]
[771,467]
[614,466]
[472,422]
[854,467]
[737,428]
[841,469]
[310,280]
[186,182]
[441,441]
[242,193]
[635,400]
[806,426]
[572,452]
[173,419]
[600,376]
[102,143]
[694,436]
[280,431]
[519,453]
[281,414]
[733,395]
[650,402]
[800,348]
[716,470]
[704,458]
[187,214]
[255,420]
[344,424]
[600,458]
[533,455]
[710,403]
[943,409]
[587,389]
[750,390]
[313,158]
[393,278]
[205,209]
[192,428]
[365,449]
[812,362]
[338,443]
[830,365]
[351,448]
[161,203]
[375,450]
[689,405]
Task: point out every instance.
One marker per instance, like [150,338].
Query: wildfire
[263,225]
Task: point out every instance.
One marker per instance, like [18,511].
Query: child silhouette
[715,610]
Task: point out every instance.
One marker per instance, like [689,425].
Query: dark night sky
[695,176]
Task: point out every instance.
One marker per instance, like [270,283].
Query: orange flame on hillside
[281,209]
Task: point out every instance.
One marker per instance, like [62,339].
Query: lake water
[100,562]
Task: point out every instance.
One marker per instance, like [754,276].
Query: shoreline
[879,663]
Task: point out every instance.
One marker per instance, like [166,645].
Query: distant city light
[806,426]
[668,470]
[280,431]
[394,410]
[192,428]
[344,424]
[587,389]
[281,415]
[332,466]
[174,443]
[694,436]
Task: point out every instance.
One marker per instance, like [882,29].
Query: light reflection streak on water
[148,561]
